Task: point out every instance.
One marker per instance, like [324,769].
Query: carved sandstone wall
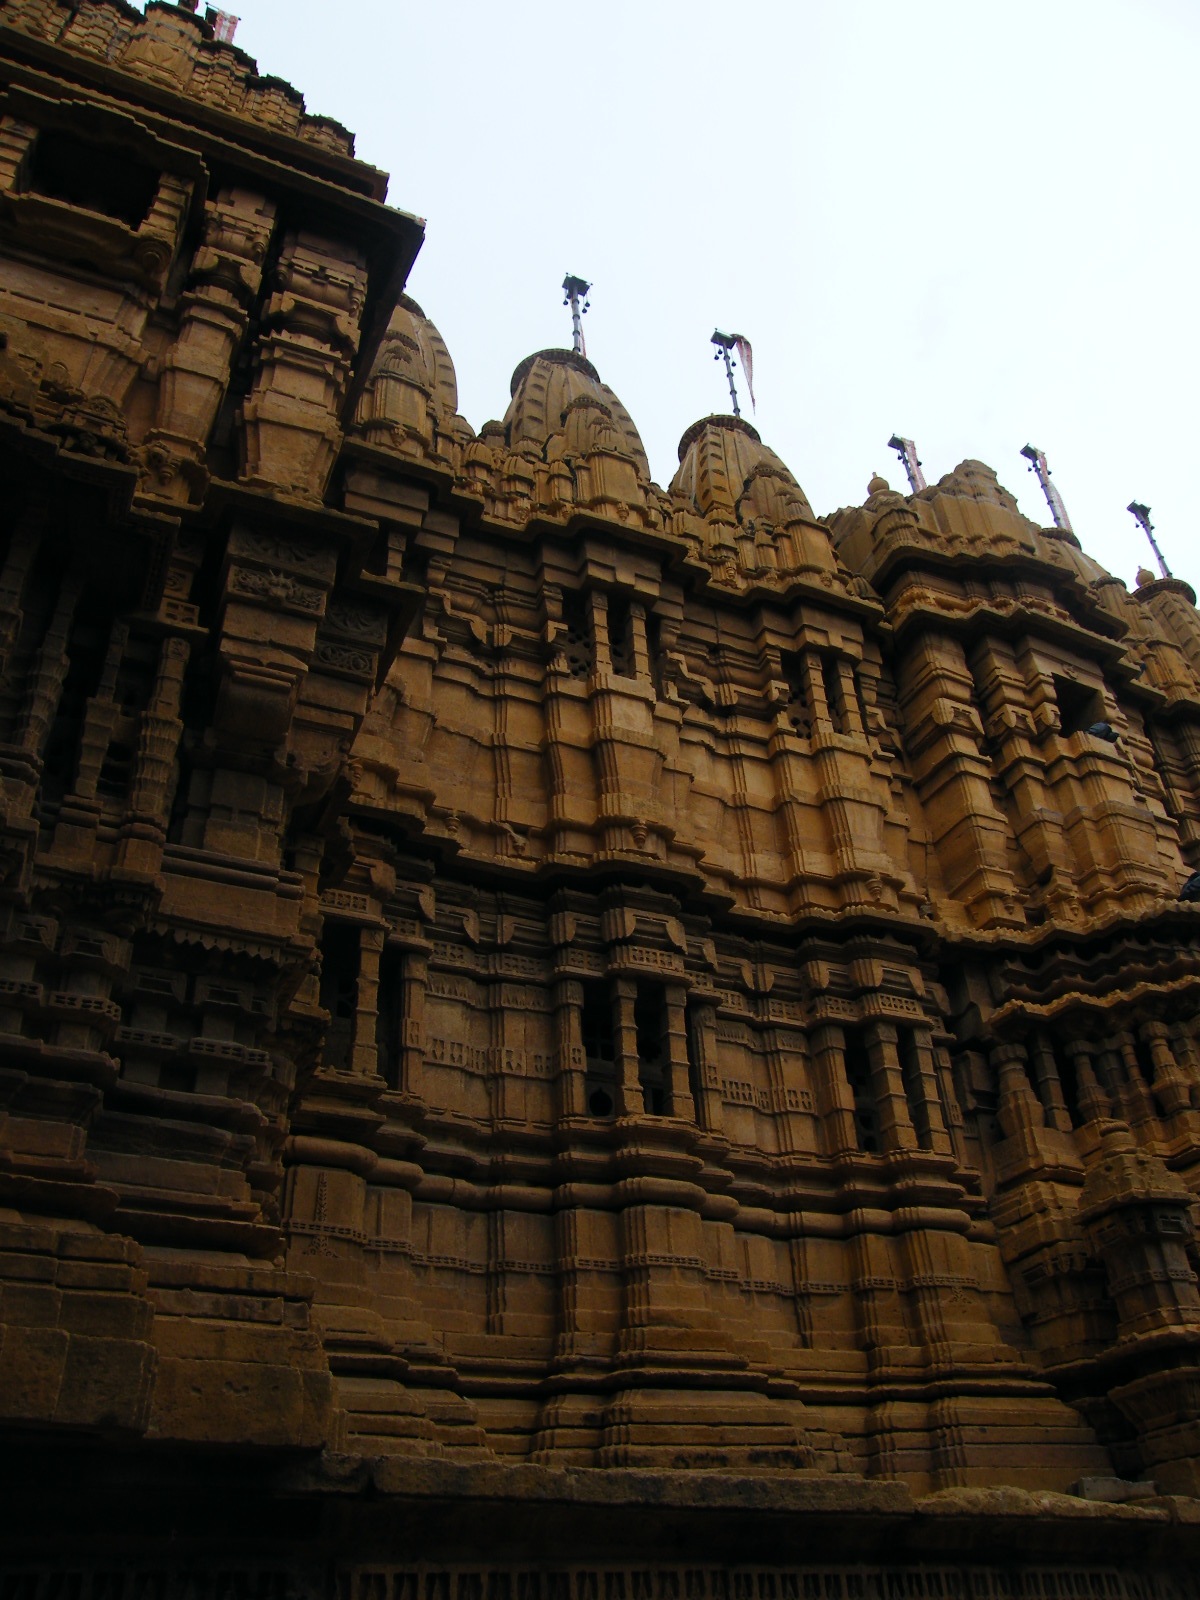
[503,963]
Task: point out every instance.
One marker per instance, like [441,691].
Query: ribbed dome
[556,393]
[727,472]
[415,351]
[410,399]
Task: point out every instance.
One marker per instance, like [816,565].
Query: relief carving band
[561,1038]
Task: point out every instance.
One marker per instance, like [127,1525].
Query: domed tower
[579,443]
[411,396]
[755,516]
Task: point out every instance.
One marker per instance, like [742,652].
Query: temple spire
[1037,463]
[907,451]
[1142,513]
[576,290]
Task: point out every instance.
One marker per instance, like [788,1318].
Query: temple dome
[412,392]
[415,350]
[729,475]
[560,406]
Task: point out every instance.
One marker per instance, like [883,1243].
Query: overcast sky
[972,224]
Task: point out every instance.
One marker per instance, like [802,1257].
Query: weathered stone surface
[530,996]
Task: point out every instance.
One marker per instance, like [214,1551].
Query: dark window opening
[87,645]
[910,1073]
[1145,1060]
[650,1022]
[178,1077]
[339,990]
[620,637]
[599,1049]
[137,676]
[579,645]
[116,771]
[93,176]
[834,698]
[799,711]
[389,1025]
[1078,706]
[858,1076]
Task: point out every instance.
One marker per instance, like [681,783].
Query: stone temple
[560,1038]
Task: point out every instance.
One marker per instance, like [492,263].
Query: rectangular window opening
[914,1094]
[620,636]
[339,990]
[599,1050]
[858,1076]
[654,1067]
[1079,706]
[832,679]
[93,176]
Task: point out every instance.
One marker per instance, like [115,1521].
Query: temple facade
[557,1035]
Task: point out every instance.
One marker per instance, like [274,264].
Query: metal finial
[576,289]
[1142,513]
[1037,463]
[907,451]
[725,342]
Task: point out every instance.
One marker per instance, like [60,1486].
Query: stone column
[925,1088]
[1048,1083]
[567,1000]
[835,1100]
[954,779]
[1093,1101]
[896,1131]
[412,1060]
[1171,1087]
[680,1103]
[630,1101]
[364,1048]
[708,1073]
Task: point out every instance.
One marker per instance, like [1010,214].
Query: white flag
[746,355]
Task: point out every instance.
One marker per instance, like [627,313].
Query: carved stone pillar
[924,1089]
[1049,1084]
[630,1101]
[954,779]
[415,983]
[835,1101]
[1094,1103]
[680,1098]
[568,1031]
[364,1048]
[707,1063]
[895,1121]
[215,312]
[1171,1087]
[291,419]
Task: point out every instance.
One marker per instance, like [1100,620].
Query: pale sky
[975,225]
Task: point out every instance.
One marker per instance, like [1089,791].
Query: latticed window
[799,708]
[580,645]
